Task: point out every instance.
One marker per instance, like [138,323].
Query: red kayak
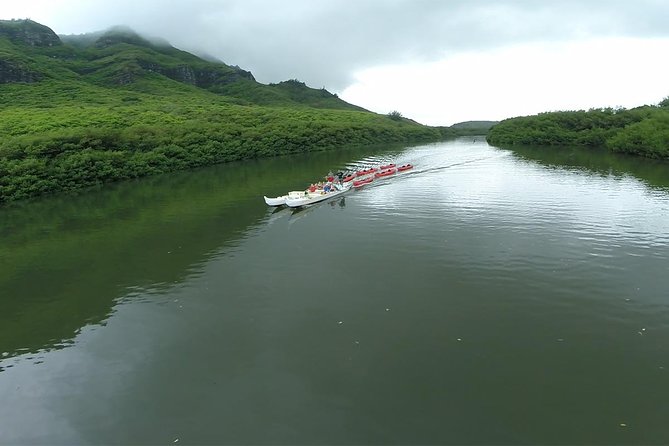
[385,173]
[389,166]
[362,173]
[362,182]
[405,167]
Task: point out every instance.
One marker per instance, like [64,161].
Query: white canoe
[280,201]
[315,197]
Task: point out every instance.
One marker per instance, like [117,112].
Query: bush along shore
[640,131]
[132,142]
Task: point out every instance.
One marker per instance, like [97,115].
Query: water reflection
[653,172]
[66,261]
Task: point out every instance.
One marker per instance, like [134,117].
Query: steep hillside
[91,109]
[121,57]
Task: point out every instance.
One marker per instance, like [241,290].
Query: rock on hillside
[11,71]
[29,33]
[155,56]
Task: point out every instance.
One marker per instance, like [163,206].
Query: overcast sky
[436,61]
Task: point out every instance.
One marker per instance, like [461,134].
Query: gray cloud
[323,42]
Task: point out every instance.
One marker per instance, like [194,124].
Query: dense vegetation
[641,131]
[98,108]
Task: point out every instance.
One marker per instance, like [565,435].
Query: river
[487,296]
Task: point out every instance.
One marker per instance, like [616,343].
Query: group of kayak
[335,185]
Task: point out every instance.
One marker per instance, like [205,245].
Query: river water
[488,296]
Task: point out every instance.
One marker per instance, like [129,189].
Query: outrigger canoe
[276,201]
[308,197]
[280,201]
[351,180]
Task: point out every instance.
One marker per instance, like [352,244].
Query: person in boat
[326,188]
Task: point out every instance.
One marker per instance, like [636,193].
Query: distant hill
[478,125]
[467,128]
[89,109]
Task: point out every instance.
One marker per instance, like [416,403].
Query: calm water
[486,297]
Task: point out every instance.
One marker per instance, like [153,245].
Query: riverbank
[72,147]
[642,131]
[98,108]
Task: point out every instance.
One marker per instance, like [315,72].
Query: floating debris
[623,425]
[387,309]
[340,322]
[459,339]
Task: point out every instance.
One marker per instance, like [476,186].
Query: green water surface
[487,296]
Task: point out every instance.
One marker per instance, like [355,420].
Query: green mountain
[83,110]
[120,57]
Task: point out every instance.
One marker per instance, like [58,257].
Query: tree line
[640,131]
[54,150]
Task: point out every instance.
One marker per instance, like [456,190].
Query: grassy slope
[123,107]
